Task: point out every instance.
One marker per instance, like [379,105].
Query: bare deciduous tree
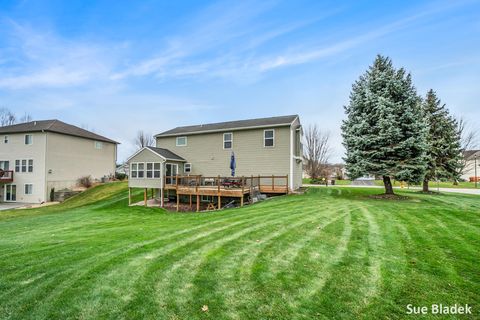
[7,117]
[469,140]
[317,152]
[144,139]
[25,118]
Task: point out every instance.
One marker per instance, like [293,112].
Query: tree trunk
[388,185]
[425,186]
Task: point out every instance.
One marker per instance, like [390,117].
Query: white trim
[24,185]
[153,170]
[290,180]
[185,166]
[137,171]
[231,140]
[25,137]
[5,192]
[159,135]
[156,153]
[181,145]
[273,137]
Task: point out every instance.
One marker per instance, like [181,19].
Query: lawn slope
[331,253]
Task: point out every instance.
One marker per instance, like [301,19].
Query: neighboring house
[40,155]
[265,147]
[470,158]
[122,169]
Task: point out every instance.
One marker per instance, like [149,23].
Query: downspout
[291,160]
[46,193]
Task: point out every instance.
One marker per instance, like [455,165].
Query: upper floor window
[28,139]
[153,170]
[5,139]
[298,142]
[181,141]
[269,138]
[187,168]
[227,140]
[98,145]
[137,170]
[5,165]
[24,165]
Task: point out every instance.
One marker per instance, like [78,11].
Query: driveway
[12,205]
[432,188]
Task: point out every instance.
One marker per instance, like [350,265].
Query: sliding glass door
[10,193]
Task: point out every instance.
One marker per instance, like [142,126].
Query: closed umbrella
[233,164]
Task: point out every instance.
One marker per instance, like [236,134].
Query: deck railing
[6,176]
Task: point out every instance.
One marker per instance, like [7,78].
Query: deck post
[259,184]
[145,196]
[273,182]
[162,199]
[178,202]
[129,196]
[198,202]
[243,185]
[241,201]
[190,201]
[219,201]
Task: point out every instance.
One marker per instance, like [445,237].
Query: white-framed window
[227,140]
[269,138]
[24,165]
[98,145]
[28,188]
[137,170]
[187,168]
[153,170]
[5,165]
[28,139]
[5,139]
[206,198]
[181,141]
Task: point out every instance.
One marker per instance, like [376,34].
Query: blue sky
[121,66]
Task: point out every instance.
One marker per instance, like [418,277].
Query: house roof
[56,126]
[468,154]
[224,126]
[167,154]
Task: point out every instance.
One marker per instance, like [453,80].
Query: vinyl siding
[70,158]
[16,149]
[208,158]
[143,156]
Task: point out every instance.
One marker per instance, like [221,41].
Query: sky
[116,67]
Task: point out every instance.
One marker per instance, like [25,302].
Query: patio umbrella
[233,164]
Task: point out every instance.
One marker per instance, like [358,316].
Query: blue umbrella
[233,164]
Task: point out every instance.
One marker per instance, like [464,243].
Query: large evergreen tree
[385,133]
[443,141]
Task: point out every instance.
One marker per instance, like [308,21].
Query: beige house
[471,158]
[263,147]
[40,155]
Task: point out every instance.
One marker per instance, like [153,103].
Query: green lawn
[332,253]
[433,185]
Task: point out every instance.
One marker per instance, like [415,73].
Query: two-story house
[261,147]
[37,156]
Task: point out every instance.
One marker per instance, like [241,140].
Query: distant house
[263,147]
[470,158]
[40,155]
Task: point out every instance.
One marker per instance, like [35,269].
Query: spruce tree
[385,133]
[443,141]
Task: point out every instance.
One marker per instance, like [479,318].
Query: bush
[52,194]
[120,176]
[85,181]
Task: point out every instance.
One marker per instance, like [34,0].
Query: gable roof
[56,126]
[468,154]
[224,126]
[167,154]
[161,152]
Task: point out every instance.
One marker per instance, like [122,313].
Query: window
[5,139]
[153,170]
[227,140]
[187,168]
[269,138]
[137,170]
[28,139]
[28,188]
[24,165]
[98,145]
[206,198]
[181,141]
[5,165]
[298,142]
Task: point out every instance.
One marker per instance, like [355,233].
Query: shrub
[120,176]
[85,181]
[52,194]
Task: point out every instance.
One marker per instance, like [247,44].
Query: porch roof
[167,154]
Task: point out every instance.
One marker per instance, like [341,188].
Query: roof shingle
[221,126]
[167,154]
[56,126]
